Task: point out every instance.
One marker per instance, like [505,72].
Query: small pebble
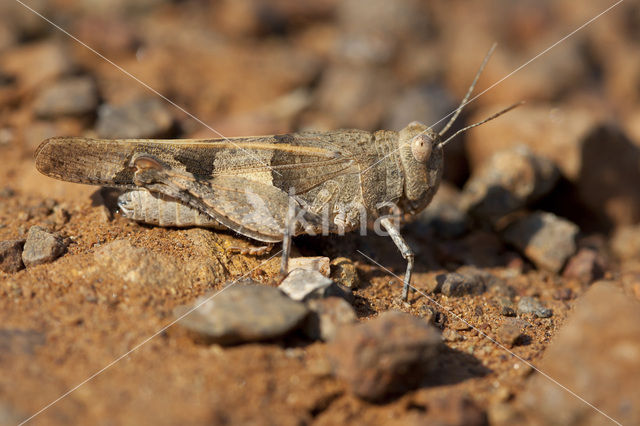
[41,246]
[327,317]
[454,284]
[11,256]
[546,239]
[509,333]
[344,271]
[449,335]
[385,356]
[585,266]
[242,312]
[74,96]
[304,284]
[142,118]
[507,308]
[528,305]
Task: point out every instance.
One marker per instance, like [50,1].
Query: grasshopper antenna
[496,115]
[469,91]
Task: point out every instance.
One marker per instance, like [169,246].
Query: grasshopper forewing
[328,182]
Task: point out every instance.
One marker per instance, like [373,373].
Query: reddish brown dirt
[226,66]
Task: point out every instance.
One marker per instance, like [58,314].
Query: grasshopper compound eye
[421,148]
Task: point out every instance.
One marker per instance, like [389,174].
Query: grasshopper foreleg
[406,251]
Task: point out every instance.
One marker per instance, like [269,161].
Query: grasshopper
[268,188]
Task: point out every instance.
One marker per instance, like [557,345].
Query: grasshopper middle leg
[406,251]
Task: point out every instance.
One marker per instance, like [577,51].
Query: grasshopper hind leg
[405,250]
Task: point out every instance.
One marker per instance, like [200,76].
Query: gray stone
[327,317]
[11,256]
[41,246]
[508,181]
[455,285]
[137,265]
[595,354]
[530,305]
[546,239]
[242,313]
[142,118]
[305,284]
[74,96]
[385,356]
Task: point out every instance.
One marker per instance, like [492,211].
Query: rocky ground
[527,309]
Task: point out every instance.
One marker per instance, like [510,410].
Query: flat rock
[305,284]
[242,313]
[138,265]
[595,354]
[327,317]
[385,356]
[74,96]
[530,305]
[41,246]
[508,181]
[546,239]
[141,118]
[11,256]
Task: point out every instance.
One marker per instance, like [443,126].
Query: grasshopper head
[421,156]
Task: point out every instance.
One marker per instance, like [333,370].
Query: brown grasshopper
[268,188]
